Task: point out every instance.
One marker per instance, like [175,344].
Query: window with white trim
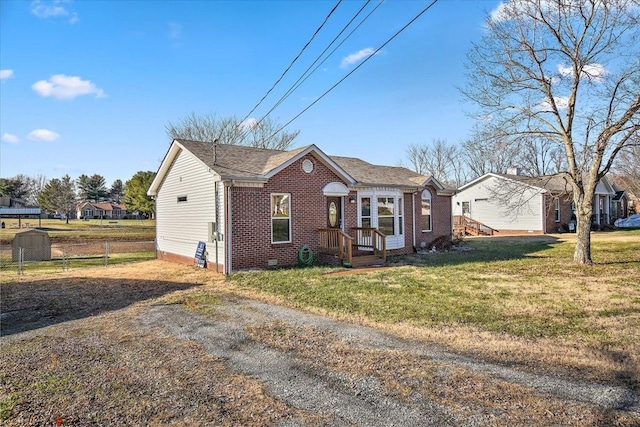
[557,209]
[280,218]
[386,215]
[365,211]
[426,210]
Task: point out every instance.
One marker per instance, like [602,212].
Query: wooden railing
[336,241]
[371,238]
[464,225]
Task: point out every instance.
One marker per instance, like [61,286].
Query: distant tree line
[456,164]
[62,195]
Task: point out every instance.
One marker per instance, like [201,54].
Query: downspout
[217,218]
[544,212]
[228,266]
[413,214]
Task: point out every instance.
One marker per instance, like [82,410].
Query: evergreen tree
[135,193]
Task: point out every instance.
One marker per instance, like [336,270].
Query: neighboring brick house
[101,210]
[516,204]
[257,208]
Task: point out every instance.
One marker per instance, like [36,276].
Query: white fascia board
[175,149]
[319,154]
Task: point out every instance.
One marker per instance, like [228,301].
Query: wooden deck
[465,226]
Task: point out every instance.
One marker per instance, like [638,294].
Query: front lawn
[506,295]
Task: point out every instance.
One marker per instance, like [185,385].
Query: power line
[304,75]
[294,60]
[358,66]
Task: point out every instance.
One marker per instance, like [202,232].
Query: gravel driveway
[126,350]
[346,398]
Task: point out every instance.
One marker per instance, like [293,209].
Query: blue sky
[88,86]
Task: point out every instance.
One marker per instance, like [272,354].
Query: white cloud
[66,87]
[499,13]
[510,8]
[45,135]
[53,9]
[248,124]
[562,102]
[10,138]
[355,57]
[591,72]
[5,74]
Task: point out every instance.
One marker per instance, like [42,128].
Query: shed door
[334,212]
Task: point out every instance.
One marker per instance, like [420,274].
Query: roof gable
[241,162]
[550,183]
[257,164]
[367,174]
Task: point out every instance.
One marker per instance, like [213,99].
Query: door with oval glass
[334,212]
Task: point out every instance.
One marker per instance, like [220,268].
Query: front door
[334,212]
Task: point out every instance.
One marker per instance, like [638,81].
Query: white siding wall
[487,209]
[181,225]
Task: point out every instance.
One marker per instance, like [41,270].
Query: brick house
[516,204]
[257,208]
[101,210]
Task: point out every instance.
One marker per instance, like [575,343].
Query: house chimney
[514,170]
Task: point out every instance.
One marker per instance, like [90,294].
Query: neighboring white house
[515,204]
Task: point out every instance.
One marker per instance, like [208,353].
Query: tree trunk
[582,253]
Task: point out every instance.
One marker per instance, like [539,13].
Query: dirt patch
[118,346]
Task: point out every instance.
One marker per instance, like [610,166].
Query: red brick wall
[441,222]
[251,233]
[551,226]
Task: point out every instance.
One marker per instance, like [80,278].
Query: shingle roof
[555,183]
[248,162]
[368,174]
[238,160]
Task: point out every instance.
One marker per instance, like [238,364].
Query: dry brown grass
[95,364]
[405,375]
[91,363]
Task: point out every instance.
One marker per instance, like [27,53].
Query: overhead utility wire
[305,76]
[294,60]
[352,71]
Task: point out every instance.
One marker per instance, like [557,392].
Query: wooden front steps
[366,260]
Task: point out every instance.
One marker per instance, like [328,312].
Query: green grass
[10,268]
[525,287]
[92,229]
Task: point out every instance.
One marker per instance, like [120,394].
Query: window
[280,218]
[182,199]
[466,208]
[386,215]
[88,213]
[365,211]
[557,209]
[400,223]
[426,210]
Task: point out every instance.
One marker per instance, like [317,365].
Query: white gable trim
[320,155]
[171,155]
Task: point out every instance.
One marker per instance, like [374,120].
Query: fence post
[20,260]
[106,254]
[65,259]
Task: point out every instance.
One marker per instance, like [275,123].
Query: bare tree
[265,133]
[482,154]
[538,157]
[438,159]
[567,72]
